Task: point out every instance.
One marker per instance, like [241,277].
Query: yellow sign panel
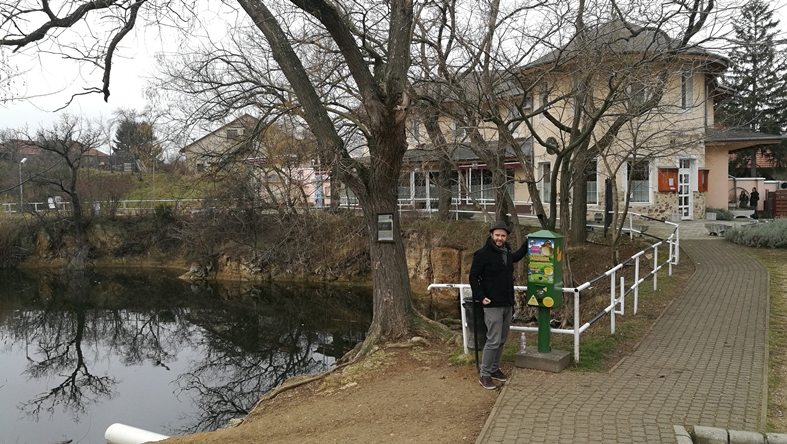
[532,301]
[548,302]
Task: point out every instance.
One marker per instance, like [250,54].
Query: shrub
[771,234]
[14,242]
[720,213]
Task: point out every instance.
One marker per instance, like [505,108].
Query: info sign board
[545,269]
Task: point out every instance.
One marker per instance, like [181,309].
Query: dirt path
[399,395]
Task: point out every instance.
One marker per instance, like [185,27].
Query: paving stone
[681,435]
[710,435]
[703,362]
[744,437]
[776,438]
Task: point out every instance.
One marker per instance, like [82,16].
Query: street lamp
[21,195]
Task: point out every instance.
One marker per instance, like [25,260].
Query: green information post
[545,291]
[544,280]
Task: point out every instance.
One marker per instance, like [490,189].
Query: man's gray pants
[498,323]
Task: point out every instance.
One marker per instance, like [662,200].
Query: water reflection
[156,352]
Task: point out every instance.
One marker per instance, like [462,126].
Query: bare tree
[64,147]
[374,46]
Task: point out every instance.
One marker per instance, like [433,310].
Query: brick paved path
[703,363]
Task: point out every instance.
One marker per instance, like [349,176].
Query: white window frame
[546,180]
[686,90]
[594,192]
[649,186]
[457,131]
[638,94]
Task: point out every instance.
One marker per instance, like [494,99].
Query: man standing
[492,282]
[754,198]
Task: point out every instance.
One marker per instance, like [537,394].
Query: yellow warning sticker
[532,301]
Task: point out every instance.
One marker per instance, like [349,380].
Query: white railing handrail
[615,299]
[122,205]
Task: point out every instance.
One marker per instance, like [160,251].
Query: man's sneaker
[500,376]
[486,382]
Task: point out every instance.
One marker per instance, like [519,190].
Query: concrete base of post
[554,361]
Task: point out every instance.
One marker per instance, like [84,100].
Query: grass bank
[775,260]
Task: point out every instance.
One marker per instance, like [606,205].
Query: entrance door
[684,190]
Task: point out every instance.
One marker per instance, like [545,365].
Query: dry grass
[775,261]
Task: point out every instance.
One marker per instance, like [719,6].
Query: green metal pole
[543,330]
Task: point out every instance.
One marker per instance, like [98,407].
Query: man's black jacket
[493,279]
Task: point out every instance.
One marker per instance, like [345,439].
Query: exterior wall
[316,185]
[717,161]
[666,206]
[199,154]
[521,194]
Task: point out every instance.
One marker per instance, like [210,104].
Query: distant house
[15,150]
[207,151]
[765,164]
[279,162]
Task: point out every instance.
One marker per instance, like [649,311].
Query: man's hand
[486,301]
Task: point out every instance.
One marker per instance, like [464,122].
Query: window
[638,94]
[686,90]
[591,172]
[546,181]
[481,185]
[232,133]
[638,175]
[419,185]
[458,131]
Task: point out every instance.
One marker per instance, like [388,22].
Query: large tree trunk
[445,165]
[444,191]
[577,235]
[392,297]
[385,104]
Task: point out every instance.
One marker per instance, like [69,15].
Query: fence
[123,206]
[617,294]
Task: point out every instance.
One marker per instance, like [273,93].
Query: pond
[80,352]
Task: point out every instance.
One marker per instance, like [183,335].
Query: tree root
[285,387]
[420,325]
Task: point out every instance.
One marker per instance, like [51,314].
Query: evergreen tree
[135,142]
[758,78]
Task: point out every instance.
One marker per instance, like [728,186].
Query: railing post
[612,293]
[465,326]
[576,325]
[655,267]
[669,258]
[636,284]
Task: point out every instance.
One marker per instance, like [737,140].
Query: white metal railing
[123,206]
[617,304]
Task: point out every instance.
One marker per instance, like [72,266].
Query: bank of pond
[81,351]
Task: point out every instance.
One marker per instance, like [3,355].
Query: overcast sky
[51,80]
[131,68]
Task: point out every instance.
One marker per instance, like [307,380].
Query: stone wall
[666,204]
[444,265]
